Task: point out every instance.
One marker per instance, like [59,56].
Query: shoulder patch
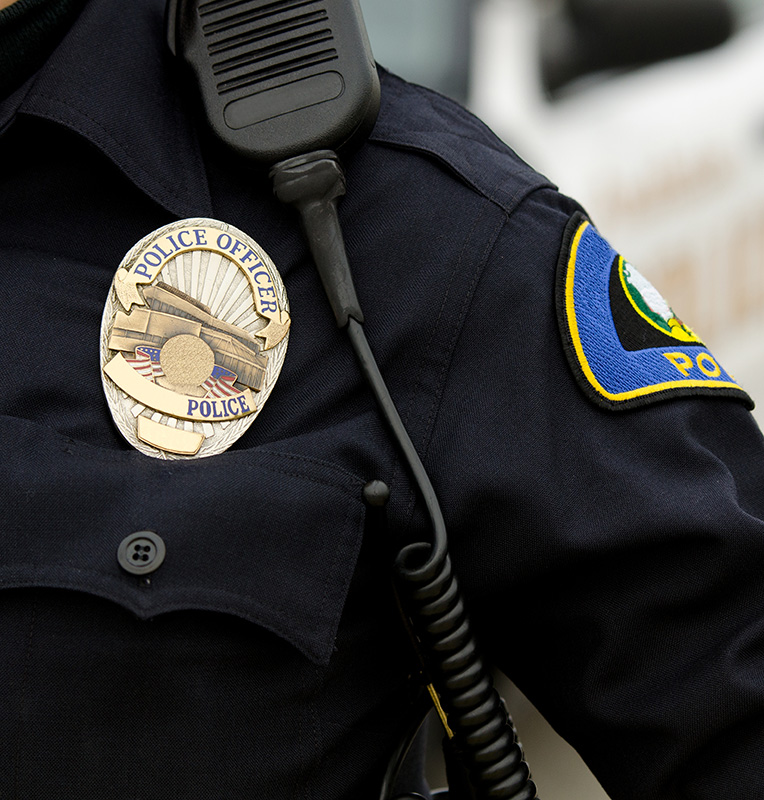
[624,343]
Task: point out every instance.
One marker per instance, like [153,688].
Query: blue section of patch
[612,375]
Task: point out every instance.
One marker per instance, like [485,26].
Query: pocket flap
[268,536]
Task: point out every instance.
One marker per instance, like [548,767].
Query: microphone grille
[252,43]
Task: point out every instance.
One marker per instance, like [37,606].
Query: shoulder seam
[526,177]
[507,205]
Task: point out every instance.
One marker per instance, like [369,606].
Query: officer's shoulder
[420,120]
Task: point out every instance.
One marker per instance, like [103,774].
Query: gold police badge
[193,337]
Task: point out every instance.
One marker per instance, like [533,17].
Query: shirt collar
[112,81]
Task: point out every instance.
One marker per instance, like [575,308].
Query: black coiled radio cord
[474,716]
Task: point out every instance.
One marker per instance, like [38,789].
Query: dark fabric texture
[29,31]
[612,563]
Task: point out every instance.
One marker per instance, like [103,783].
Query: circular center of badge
[187,361]
[193,337]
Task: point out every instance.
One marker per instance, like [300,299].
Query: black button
[141,552]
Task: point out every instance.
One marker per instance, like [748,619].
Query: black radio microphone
[278,78]
[285,83]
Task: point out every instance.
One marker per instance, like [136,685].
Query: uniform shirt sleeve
[612,561]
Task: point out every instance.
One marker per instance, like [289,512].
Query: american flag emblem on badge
[221,383]
[146,362]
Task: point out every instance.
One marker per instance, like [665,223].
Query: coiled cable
[483,734]
[482,731]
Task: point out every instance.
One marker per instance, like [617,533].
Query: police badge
[193,337]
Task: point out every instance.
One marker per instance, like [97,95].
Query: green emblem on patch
[650,305]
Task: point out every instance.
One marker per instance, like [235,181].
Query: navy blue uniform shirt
[613,562]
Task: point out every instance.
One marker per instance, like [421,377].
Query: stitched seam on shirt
[308,786]
[266,620]
[442,377]
[332,570]
[399,467]
[62,121]
[507,206]
[110,455]
[311,460]
[22,700]
[318,481]
[444,304]
[299,778]
[457,335]
[118,598]
[429,95]
[405,142]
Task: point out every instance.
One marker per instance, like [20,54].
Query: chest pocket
[267,536]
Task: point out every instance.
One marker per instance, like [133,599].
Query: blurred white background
[667,158]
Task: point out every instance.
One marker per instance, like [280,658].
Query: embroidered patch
[625,344]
